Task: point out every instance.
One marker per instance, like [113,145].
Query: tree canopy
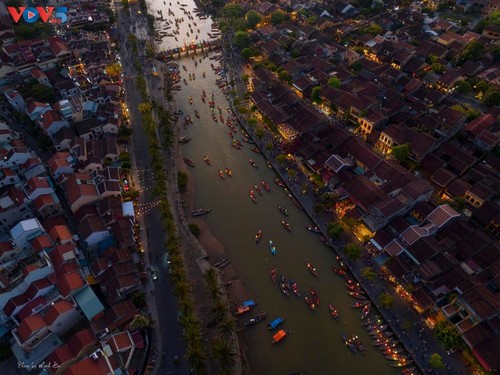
[241,40]
[279,17]
[400,153]
[352,251]
[447,334]
[386,300]
[253,18]
[436,361]
[335,82]
[334,229]
[232,10]
[41,93]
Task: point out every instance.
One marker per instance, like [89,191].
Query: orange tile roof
[82,339]
[60,233]
[84,367]
[120,342]
[70,282]
[60,356]
[43,200]
[41,242]
[29,268]
[29,325]
[58,308]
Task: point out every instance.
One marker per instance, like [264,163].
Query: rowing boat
[312,269]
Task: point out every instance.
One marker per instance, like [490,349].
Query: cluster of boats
[295,202]
[260,190]
[247,306]
[353,343]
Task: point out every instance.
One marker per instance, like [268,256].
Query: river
[313,343]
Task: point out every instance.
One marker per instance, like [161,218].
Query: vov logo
[32,14]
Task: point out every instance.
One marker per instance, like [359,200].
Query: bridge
[194,48]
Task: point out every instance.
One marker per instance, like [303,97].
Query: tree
[139,322]
[472,51]
[33,30]
[350,222]
[196,356]
[437,68]
[374,29]
[284,76]
[386,301]
[252,121]
[436,361]
[368,274]
[249,52]
[291,172]
[241,40]
[227,326]
[352,251]
[259,133]
[492,97]
[253,19]
[281,159]
[269,146]
[42,93]
[182,180]
[334,229]
[315,93]
[318,207]
[232,10]
[113,70]
[400,153]
[463,87]
[139,300]
[222,352]
[278,17]
[356,67]
[194,229]
[447,334]
[335,82]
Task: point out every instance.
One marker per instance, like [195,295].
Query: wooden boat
[275,323]
[349,343]
[221,174]
[339,271]
[333,312]
[269,165]
[200,212]
[283,210]
[380,342]
[258,318]
[259,189]
[228,172]
[409,371]
[286,225]
[358,304]
[258,236]
[253,163]
[284,288]
[310,303]
[315,297]
[278,182]
[196,113]
[355,287]
[280,335]
[404,363]
[366,310]
[312,269]
[184,140]
[246,306]
[256,149]
[359,345]
[188,162]
[372,319]
[207,160]
[266,186]
[273,275]
[272,248]
[295,288]
[252,196]
[314,229]
[356,295]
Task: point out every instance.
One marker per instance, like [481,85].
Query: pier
[194,48]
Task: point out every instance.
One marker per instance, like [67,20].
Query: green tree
[232,10]
[432,59]
[269,146]
[467,110]
[292,172]
[356,67]
[335,82]
[227,326]
[42,93]
[492,97]
[113,70]
[139,300]
[281,159]
[472,51]
[401,153]
[368,274]
[252,121]
[223,353]
[241,40]
[492,19]
[259,133]
[374,29]
[352,251]
[249,52]
[196,357]
[315,94]
[436,361]
[386,301]
[253,18]
[334,229]
[447,334]
[194,229]
[29,31]
[350,222]
[182,180]
[318,207]
[463,87]
[284,76]
[140,321]
[437,68]
[279,17]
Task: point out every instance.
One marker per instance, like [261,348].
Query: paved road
[162,304]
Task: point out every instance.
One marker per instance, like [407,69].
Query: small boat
[312,269]
[359,345]
[196,113]
[278,182]
[286,225]
[314,229]
[283,210]
[284,288]
[314,296]
[207,160]
[355,288]
[273,275]
[266,186]
[275,323]
[358,304]
[258,318]
[245,307]
[221,174]
[310,303]
[188,162]
[252,196]
[253,163]
[366,310]
[280,335]
[356,295]
[190,100]
[272,248]
[228,172]
[372,319]
[184,140]
[269,165]
[339,271]
[200,212]
[256,149]
[349,343]
[295,288]
[259,189]
[402,364]
[333,312]
[258,236]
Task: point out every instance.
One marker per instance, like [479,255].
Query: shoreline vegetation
[224,346]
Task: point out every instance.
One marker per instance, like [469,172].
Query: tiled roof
[81,340]
[30,325]
[27,310]
[57,309]
[70,282]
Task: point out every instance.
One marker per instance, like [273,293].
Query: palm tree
[219,309]
[227,326]
[223,353]
[195,355]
